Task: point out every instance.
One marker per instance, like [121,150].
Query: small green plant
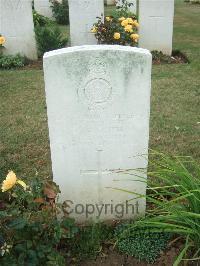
[60,11]
[174,193]
[88,242]
[119,28]
[30,231]
[12,61]
[123,9]
[194,1]
[40,20]
[142,244]
[49,38]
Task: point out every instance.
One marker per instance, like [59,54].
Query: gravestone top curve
[97,48]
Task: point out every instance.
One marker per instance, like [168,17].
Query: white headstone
[43,7]
[83,14]
[133,7]
[98,101]
[17,27]
[156,25]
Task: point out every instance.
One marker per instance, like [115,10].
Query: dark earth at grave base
[158,58]
[110,257]
[177,57]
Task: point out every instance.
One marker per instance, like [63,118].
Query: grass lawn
[175,106]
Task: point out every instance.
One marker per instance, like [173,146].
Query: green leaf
[181,255]
[3,214]
[21,259]
[18,223]
[29,244]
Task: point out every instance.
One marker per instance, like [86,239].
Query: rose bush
[30,233]
[119,28]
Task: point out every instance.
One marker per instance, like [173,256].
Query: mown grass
[175,106]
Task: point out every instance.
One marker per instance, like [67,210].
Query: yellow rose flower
[121,19]
[94,29]
[108,19]
[117,36]
[136,24]
[10,181]
[130,21]
[135,37]
[124,22]
[128,28]
[2,40]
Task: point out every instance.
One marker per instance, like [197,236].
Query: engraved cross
[99,172]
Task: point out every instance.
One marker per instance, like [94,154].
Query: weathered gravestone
[156,25]
[17,27]
[83,14]
[43,7]
[98,101]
